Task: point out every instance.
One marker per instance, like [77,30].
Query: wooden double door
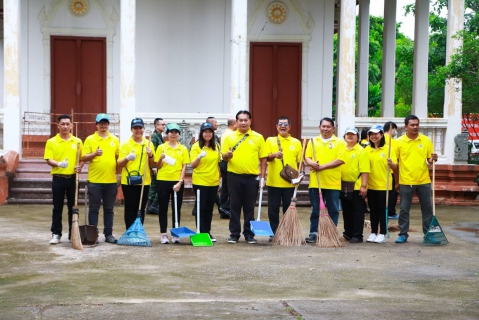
[78,81]
[275,86]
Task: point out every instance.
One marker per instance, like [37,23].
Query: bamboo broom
[290,232]
[75,233]
[328,234]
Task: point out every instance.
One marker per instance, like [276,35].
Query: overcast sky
[407,28]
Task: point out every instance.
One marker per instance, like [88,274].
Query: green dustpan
[200,239]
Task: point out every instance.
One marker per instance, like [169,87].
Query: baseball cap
[205,126]
[376,128]
[137,122]
[172,126]
[351,130]
[102,116]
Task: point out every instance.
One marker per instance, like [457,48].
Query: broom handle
[433,176]
[144,175]
[86,202]
[300,166]
[321,202]
[388,175]
[76,174]
[198,211]
[176,210]
[260,199]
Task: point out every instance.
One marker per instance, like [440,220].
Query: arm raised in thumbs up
[228,155]
[131,156]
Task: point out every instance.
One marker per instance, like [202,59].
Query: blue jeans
[96,193]
[331,199]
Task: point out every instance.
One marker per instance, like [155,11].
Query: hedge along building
[190,59]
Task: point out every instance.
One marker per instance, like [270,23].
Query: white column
[346,66]
[453,89]
[389,59]
[127,67]
[363,60]
[12,122]
[239,31]
[421,57]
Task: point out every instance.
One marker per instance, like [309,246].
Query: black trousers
[165,193]
[275,197]
[131,195]
[353,216]
[207,202]
[377,208]
[224,194]
[62,187]
[243,190]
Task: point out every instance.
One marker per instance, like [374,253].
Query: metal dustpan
[88,232]
[258,227]
[200,239]
[180,232]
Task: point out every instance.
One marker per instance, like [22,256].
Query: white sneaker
[371,237]
[380,238]
[175,240]
[55,239]
[164,239]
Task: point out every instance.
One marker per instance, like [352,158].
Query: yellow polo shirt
[379,167]
[58,149]
[412,155]
[207,172]
[356,162]
[291,155]
[102,169]
[325,153]
[227,132]
[167,172]
[246,156]
[137,166]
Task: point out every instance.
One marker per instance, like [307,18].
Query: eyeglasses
[283,124]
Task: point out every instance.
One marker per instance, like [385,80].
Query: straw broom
[328,234]
[75,233]
[290,232]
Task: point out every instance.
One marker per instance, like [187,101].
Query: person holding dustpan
[132,162]
[206,178]
[101,150]
[171,159]
[244,149]
[61,154]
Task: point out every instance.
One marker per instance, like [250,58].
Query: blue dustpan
[258,227]
[180,232]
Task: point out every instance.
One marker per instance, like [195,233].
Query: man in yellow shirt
[389,132]
[330,154]
[414,152]
[61,155]
[282,149]
[249,151]
[101,150]
[224,194]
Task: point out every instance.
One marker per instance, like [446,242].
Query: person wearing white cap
[354,183]
[380,165]
[102,150]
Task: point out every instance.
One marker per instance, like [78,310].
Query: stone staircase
[32,185]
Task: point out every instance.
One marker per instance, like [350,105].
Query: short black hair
[410,117]
[243,112]
[387,126]
[327,119]
[209,118]
[364,133]
[64,116]
[283,118]
[156,121]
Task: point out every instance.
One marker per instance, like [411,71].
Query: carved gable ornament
[78,7]
[277,12]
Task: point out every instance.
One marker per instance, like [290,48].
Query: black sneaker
[233,239]
[213,239]
[355,240]
[251,240]
[311,238]
[271,238]
[110,239]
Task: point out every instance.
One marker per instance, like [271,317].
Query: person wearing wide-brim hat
[171,160]
[206,178]
[380,164]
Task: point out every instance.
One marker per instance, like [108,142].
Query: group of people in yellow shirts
[347,172]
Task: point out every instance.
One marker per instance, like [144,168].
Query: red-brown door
[275,86]
[78,81]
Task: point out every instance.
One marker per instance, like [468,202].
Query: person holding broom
[171,160]
[102,150]
[354,183]
[135,160]
[282,149]
[156,140]
[415,151]
[243,150]
[206,178]
[382,159]
[389,132]
[330,154]
[61,154]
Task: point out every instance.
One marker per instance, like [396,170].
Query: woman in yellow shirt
[206,178]
[380,164]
